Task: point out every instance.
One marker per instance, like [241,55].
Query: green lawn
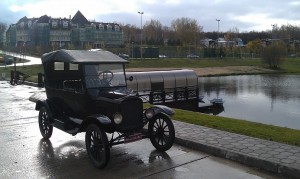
[290,65]
[191,63]
[30,70]
[263,131]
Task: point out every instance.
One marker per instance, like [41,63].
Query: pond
[268,99]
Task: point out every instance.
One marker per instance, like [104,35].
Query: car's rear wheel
[46,128]
[162,133]
[97,146]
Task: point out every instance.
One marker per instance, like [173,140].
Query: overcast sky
[246,15]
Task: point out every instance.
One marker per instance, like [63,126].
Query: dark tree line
[186,31]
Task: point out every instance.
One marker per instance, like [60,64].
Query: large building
[62,32]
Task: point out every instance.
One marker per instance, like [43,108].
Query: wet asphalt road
[24,154]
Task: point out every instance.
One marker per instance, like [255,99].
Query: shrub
[274,54]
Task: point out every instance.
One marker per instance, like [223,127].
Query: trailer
[160,87]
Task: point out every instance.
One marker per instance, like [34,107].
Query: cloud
[244,15]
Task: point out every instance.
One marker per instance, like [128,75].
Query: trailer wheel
[162,133]
[46,128]
[97,146]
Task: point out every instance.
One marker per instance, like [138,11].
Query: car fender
[162,109]
[47,103]
[40,103]
[99,119]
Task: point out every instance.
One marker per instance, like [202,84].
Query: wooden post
[151,98]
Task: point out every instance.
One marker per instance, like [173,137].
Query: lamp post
[218,20]
[132,49]
[273,26]
[141,32]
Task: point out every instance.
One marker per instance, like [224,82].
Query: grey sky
[246,15]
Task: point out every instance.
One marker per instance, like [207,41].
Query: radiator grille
[132,112]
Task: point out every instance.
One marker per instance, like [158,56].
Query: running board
[61,125]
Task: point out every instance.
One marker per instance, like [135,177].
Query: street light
[132,49]
[273,26]
[141,32]
[218,20]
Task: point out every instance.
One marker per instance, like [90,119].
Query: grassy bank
[30,70]
[263,131]
[191,63]
[290,65]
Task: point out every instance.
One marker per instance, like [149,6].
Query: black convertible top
[82,56]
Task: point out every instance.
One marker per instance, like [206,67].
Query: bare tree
[187,30]
[153,31]
[129,32]
[232,34]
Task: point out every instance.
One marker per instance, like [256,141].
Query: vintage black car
[86,92]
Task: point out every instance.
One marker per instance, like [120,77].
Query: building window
[109,27]
[101,27]
[65,24]
[54,24]
[22,24]
[117,28]
[29,23]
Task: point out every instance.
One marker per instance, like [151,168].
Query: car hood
[112,95]
[116,98]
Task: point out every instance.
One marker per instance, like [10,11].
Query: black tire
[97,146]
[161,132]
[46,128]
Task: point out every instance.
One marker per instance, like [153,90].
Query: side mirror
[130,78]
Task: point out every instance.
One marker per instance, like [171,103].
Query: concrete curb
[241,158]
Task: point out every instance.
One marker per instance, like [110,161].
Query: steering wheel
[106,76]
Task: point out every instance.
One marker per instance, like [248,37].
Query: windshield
[104,75]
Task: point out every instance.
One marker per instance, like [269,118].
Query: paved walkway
[271,156]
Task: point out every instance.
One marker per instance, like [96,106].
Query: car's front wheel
[162,133]
[46,128]
[97,146]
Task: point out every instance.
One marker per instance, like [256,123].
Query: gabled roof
[23,19]
[79,19]
[43,19]
[82,56]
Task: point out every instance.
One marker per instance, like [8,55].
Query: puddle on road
[70,149]
[181,169]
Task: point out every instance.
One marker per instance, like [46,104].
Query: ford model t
[86,92]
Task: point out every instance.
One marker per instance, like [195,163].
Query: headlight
[149,113]
[118,118]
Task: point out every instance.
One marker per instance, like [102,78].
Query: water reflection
[54,161]
[271,99]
